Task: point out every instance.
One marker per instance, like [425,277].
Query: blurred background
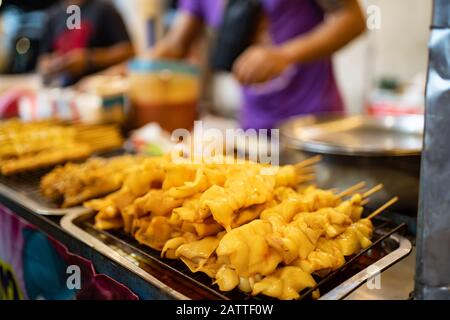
[107,70]
[381,72]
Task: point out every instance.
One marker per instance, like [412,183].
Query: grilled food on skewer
[260,233]
[47,158]
[77,183]
[30,146]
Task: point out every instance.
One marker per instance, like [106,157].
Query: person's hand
[260,64]
[46,64]
[165,50]
[75,62]
[104,78]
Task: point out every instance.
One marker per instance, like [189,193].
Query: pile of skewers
[35,145]
[262,233]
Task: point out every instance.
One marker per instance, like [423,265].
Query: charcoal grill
[175,279]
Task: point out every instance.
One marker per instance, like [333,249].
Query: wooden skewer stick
[365,202]
[304,170]
[308,162]
[373,191]
[352,189]
[306,178]
[382,208]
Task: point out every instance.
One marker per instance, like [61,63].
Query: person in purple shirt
[293,73]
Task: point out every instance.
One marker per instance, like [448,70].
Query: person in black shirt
[98,42]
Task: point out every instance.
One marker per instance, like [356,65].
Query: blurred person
[21,24]
[101,41]
[287,70]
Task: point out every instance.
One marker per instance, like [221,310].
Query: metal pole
[433,237]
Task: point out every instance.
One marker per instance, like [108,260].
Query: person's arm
[262,63]
[342,27]
[177,42]
[102,58]
[111,46]
[175,45]
[79,61]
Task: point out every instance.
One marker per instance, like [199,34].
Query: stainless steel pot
[361,148]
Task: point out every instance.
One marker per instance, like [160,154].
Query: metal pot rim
[396,124]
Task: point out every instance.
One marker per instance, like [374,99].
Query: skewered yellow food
[68,152]
[285,283]
[100,138]
[261,233]
[138,182]
[18,138]
[34,145]
[76,183]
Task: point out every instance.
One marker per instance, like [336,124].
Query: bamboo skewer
[382,208]
[308,162]
[369,193]
[352,189]
[305,170]
[307,178]
[373,191]
[365,202]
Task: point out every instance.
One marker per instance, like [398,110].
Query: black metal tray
[23,188]
[174,278]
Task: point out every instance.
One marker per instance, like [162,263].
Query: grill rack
[24,188]
[179,282]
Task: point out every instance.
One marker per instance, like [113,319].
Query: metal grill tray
[23,188]
[174,278]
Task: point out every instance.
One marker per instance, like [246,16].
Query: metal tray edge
[33,205]
[350,285]
[68,225]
